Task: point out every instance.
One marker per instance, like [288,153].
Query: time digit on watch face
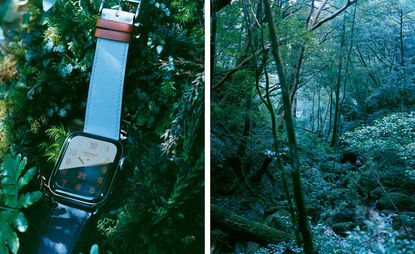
[87,167]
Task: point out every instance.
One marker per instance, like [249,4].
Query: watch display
[86,167]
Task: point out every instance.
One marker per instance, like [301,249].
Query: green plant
[45,92]
[388,140]
[57,136]
[13,179]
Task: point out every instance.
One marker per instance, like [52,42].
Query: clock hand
[81,160]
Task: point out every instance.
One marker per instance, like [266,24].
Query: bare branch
[319,12]
[318,24]
[239,66]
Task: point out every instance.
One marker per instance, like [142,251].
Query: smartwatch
[86,169]
[89,162]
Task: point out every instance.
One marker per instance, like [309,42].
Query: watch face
[86,167]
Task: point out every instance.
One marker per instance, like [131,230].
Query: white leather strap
[103,110]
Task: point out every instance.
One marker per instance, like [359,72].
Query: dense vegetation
[313,126]
[45,63]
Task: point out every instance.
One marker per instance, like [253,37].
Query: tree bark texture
[242,228]
[337,91]
[292,143]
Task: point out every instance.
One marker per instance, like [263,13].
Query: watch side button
[121,163]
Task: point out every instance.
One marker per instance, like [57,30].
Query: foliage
[161,212]
[398,92]
[51,55]
[57,136]
[358,67]
[388,139]
[14,178]
[378,236]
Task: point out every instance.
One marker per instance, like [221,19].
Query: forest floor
[356,200]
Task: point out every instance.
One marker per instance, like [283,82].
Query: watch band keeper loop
[114,25]
[112,35]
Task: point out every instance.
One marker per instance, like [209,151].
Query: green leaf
[141,120]
[8,169]
[48,4]
[4,217]
[21,165]
[13,242]
[24,180]
[11,201]
[29,198]
[10,190]
[3,247]
[20,222]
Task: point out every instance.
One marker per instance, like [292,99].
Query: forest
[46,55]
[313,126]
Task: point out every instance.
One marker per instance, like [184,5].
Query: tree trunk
[337,92]
[247,126]
[292,143]
[402,49]
[330,114]
[312,113]
[212,37]
[294,107]
[318,109]
[348,60]
[256,178]
[251,42]
[242,228]
[323,120]
[280,166]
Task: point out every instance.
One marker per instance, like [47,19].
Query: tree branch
[318,24]
[319,12]
[239,66]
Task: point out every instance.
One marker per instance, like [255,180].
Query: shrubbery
[44,78]
[388,140]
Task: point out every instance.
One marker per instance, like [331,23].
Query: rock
[342,227]
[401,201]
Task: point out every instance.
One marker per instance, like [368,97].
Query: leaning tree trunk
[292,144]
[243,228]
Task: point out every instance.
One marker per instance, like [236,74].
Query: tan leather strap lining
[114,25]
[112,35]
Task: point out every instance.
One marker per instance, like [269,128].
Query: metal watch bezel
[71,197]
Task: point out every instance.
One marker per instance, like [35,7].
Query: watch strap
[61,232]
[103,110]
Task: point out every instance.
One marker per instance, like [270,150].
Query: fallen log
[243,228]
